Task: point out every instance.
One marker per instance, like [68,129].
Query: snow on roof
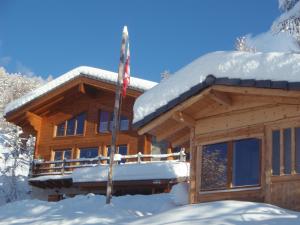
[133,171]
[90,72]
[274,66]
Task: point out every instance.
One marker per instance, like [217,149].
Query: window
[89,153]
[214,166]
[276,152]
[282,162]
[60,129]
[231,164]
[61,155]
[287,151]
[73,126]
[245,162]
[159,147]
[122,149]
[124,123]
[106,122]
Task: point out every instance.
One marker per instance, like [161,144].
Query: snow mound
[133,171]
[90,72]
[179,194]
[138,209]
[235,64]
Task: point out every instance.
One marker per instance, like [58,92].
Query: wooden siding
[81,95]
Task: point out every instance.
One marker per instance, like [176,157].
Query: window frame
[281,126]
[110,116]
[75,126]
[230,150]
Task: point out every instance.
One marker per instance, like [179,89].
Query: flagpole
[115,127]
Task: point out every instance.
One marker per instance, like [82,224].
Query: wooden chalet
[243,137]
[71,118]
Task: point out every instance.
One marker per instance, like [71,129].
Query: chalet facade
[243,135]
[71,118]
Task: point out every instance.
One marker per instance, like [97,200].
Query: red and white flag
[126,74]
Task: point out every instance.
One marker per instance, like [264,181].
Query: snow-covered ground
[138,209]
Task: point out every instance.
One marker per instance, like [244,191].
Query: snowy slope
[244,65]
[151,209]
[94,73]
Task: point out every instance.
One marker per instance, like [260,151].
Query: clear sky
[54,36]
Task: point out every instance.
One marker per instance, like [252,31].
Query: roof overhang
[173,121]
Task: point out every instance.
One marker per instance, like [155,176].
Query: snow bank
[133,171]
[94,73]
[138,209]
[179,194]
[244,65]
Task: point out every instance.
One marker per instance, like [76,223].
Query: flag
[126,74]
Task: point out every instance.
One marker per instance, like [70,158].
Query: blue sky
[51,37]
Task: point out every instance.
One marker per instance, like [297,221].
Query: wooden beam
[164,134]
[220,97]
[256,91]
[193,157]
[159,120]
[181,140]
[34,120]
[81,88]
[184,118]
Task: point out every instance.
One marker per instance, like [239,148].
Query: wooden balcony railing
[66,166]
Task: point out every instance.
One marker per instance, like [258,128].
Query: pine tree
[17,148]
[289,21]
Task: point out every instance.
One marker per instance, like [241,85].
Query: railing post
[99,159]
[182,155]
[63,167]
[139,156]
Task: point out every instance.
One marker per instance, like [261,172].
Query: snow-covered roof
[273,66]
[90,72]
[133,171]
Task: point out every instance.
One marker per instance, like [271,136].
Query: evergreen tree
[289,21]
[15,149]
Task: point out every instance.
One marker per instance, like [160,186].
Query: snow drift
[133,171]
[149,209]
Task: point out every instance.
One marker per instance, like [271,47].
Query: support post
[117,107]
[192,184]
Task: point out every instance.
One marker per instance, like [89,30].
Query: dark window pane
[60,129]
[159,147]
[123,151]
[108,152]
[80,123]
[287,151]
[246,162]
[111,123]
[58,155]
[276,152]
[124,123]
[104,118]
[297,136]
[68,154]
[88,152]
[71,126]
[214,166]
